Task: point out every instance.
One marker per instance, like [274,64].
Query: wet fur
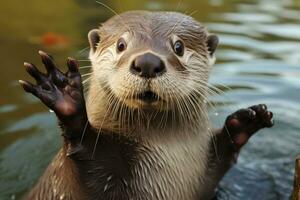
[185,85]
[119,147]
[174,139]
[159,153]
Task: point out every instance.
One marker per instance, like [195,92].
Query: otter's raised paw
[61,92]
[242,124]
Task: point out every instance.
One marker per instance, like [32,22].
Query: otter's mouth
[148,97]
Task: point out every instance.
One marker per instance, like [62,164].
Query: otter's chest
[156,170]
[170,170]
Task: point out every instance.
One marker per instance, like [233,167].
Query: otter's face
[152,60]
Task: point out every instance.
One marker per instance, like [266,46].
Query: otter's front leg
[62,93]
[238,129]
[229,140]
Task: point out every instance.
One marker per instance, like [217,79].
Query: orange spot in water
[53,39]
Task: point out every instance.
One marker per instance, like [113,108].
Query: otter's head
[152,60]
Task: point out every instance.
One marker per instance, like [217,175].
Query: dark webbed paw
[61,92]
[228,141]
[242,124]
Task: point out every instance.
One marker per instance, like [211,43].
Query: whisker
[80,52]
[108,7]
[87,74]
[86,80]
[84,60]
[114,12]
[85,67]
[178,5]
[84,130]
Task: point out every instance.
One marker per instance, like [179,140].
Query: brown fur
[157,152]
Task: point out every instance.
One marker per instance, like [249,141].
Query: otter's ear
[94,39]
[212,43]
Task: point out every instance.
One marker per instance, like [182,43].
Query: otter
[143,132]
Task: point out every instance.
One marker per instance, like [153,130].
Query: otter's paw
[242,124]
[61,92]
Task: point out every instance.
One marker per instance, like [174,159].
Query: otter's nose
[148,66]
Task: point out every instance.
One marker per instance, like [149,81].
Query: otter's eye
[178,48]
[121,45]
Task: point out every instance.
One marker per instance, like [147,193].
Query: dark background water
[259,59]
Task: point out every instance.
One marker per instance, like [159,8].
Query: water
[259,59]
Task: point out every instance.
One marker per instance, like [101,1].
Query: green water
[259,59]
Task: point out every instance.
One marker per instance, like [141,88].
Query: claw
[269,121]
[73,65]
[261,108]
[34,72]
[56,75]
[48,61]
[28,87]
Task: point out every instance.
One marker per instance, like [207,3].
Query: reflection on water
[259,59]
